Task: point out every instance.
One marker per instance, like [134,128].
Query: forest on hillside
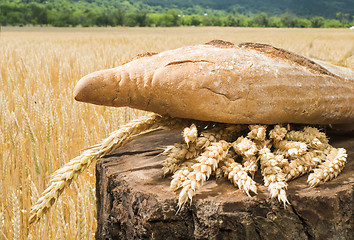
[236,13]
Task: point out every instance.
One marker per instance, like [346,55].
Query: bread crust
[218,81]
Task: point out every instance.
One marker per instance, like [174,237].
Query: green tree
[317,22]
[333,23]
[117,17]
[261,20]
[141,19]
[39,14]
[343,18]
[230,21]
[287,20]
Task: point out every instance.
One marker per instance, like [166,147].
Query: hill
[301,8]
[242,13]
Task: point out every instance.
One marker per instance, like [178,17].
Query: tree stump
[134,201]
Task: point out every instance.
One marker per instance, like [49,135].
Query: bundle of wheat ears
[234,104]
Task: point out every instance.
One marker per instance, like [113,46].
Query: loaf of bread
[218,81]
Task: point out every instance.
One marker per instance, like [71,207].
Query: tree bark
[134,201]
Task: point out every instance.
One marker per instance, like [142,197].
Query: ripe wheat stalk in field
[41,127]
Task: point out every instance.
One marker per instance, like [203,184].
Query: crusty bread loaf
[246,84]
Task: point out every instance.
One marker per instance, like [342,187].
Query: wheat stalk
[16,217]
[60,233]
[63,176]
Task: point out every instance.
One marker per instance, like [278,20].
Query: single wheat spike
[175,156]
[317,133]
[277,133]
[245,147]
[16,216]
[310,137]
[207,163]
[303,164]
[238,176]
[63,176]
[190,134]
[330,168]
[82,218]
[181,174]
[291,148]
[60,234]
[248,150]
[258,132]
[274,178]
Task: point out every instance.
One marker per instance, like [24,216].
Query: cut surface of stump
[134,201]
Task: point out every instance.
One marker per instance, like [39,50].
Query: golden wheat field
[42,127]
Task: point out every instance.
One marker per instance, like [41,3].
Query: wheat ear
[274,178]
[207,163]
[291,148]
[175,156]
[62,178]
[190,134]
[277,133]
[258,132]
[303,164]
[238,176]
[330,168]
[181,174]
[314,139]
[180,152]
[248,150]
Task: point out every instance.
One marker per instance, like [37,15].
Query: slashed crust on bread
[220,43]
[141,55]
[293,57]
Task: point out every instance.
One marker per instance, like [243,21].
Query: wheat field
[42,127]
